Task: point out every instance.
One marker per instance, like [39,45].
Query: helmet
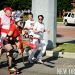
[17,19]
[19,22]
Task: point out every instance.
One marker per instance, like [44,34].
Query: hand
[19,50]
[47,30]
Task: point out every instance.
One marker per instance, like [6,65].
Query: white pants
[41,45]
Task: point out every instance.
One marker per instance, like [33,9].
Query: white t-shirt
[30,24]
[40,30]
[5,22]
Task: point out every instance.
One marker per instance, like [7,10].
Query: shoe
[30,61]
[40,61]
[34,59]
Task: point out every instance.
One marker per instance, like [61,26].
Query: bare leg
[9,49]
[0,52]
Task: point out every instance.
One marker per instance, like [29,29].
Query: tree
[63,5]
[16,4]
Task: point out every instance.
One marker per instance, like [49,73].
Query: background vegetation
[16,4]
[62,5]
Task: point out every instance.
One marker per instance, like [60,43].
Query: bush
[59,19]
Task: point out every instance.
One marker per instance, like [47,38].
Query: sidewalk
[65,40]
[60,54]
[51,66]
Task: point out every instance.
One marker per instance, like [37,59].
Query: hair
[30,14]
[41,16]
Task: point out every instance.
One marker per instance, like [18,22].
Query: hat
[7,8]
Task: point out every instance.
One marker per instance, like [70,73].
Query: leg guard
[10,53]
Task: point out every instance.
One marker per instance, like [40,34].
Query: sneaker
[34,59]
[30,61]
[40,61]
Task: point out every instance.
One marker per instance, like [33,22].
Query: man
[38,39]
[5,22]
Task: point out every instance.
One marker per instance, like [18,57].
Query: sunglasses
[40,19]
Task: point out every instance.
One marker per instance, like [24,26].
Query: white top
[5,22]
[40,30]
[29,24]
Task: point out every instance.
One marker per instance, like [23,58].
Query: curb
[60,54]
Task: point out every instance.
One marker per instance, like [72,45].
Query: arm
[11,31]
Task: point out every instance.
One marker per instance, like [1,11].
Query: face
[40,19]
[8,13]
[30,17]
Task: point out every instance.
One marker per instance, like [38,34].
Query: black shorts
[12,42]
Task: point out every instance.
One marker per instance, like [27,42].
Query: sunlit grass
[66,47]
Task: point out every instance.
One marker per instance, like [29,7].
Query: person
[13,41]
[39,29]
[5,22]
[29,24]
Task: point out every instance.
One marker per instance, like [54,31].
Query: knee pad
[5,41]
[10,53]
[15,53]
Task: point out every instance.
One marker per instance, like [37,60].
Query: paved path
[65,33]
[51,66]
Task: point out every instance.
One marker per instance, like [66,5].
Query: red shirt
[15,30]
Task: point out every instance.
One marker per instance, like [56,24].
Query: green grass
[59,19]
[66,47]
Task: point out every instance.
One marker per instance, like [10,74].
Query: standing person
[38,39]
[5,22]
[29,26]
[13,41]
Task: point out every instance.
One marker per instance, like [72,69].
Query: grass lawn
[67,47]
[59,19]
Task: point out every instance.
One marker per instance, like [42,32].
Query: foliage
[16,4]
[64,5]
[67,47]
[59,19]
